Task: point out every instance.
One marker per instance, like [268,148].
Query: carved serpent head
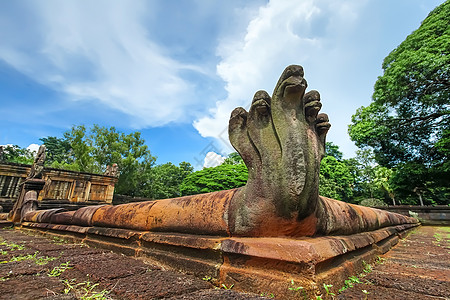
[282,141]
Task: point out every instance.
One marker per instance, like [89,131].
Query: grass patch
[298,289]
[268,295]
[11,246]
[58,270]
[20,258]
[37,260]
[85,290]
[349,283]
[45,260]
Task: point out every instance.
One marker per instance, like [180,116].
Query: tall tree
[58,150]
[408,122]
[335,179]
[94,150]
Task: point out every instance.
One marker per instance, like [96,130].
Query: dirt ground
[34,267]
[418,267]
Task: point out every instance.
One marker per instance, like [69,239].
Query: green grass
[227,287]
[45,260]
[349,283]
[85,290]
[58,270]
[11,246]
[20,258]
[298,289]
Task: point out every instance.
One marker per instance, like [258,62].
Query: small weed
[298,289]
[414,215]
[12,246]
[380,260]
[438,237]
[59,240]
[349,283]
[367,267]
[58,270]
[3,252]
[327,289]
[271,295]
[45,260]
[227,287]
[84,290]
[20,258]
[207,278]
[38,260]
[366,293]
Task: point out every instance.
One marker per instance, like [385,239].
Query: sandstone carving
[281,139]
[112,170]
[33,184]
[38,164]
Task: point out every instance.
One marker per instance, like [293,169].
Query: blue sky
[174,70]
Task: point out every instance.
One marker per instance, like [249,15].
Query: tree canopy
[335,178]
[408,122]
[165,180]
[231,174]
[16,154]
[94,149]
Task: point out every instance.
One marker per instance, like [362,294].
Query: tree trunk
[420,199]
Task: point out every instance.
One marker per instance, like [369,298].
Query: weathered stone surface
[206,214]
[62,187]
[27,201]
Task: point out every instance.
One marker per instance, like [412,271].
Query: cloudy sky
[174,70]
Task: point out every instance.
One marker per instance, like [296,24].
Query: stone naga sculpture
[281,140]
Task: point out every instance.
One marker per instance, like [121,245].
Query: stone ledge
[252,264]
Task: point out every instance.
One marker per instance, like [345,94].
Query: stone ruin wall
[62,187]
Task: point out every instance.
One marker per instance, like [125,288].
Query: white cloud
[100,51]
[213,159]
[310,33]
[33,148]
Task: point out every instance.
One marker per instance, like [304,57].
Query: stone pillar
[27,200]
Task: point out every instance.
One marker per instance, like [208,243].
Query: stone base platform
[259,265]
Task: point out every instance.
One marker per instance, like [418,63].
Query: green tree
[222,177]
[94,150]
[233,159]
[335,179]
[16,154]
[382,180]
[57,150]
[165,180]
[408,122]
[333,150]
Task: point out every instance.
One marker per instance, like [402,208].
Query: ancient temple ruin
[274,230]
